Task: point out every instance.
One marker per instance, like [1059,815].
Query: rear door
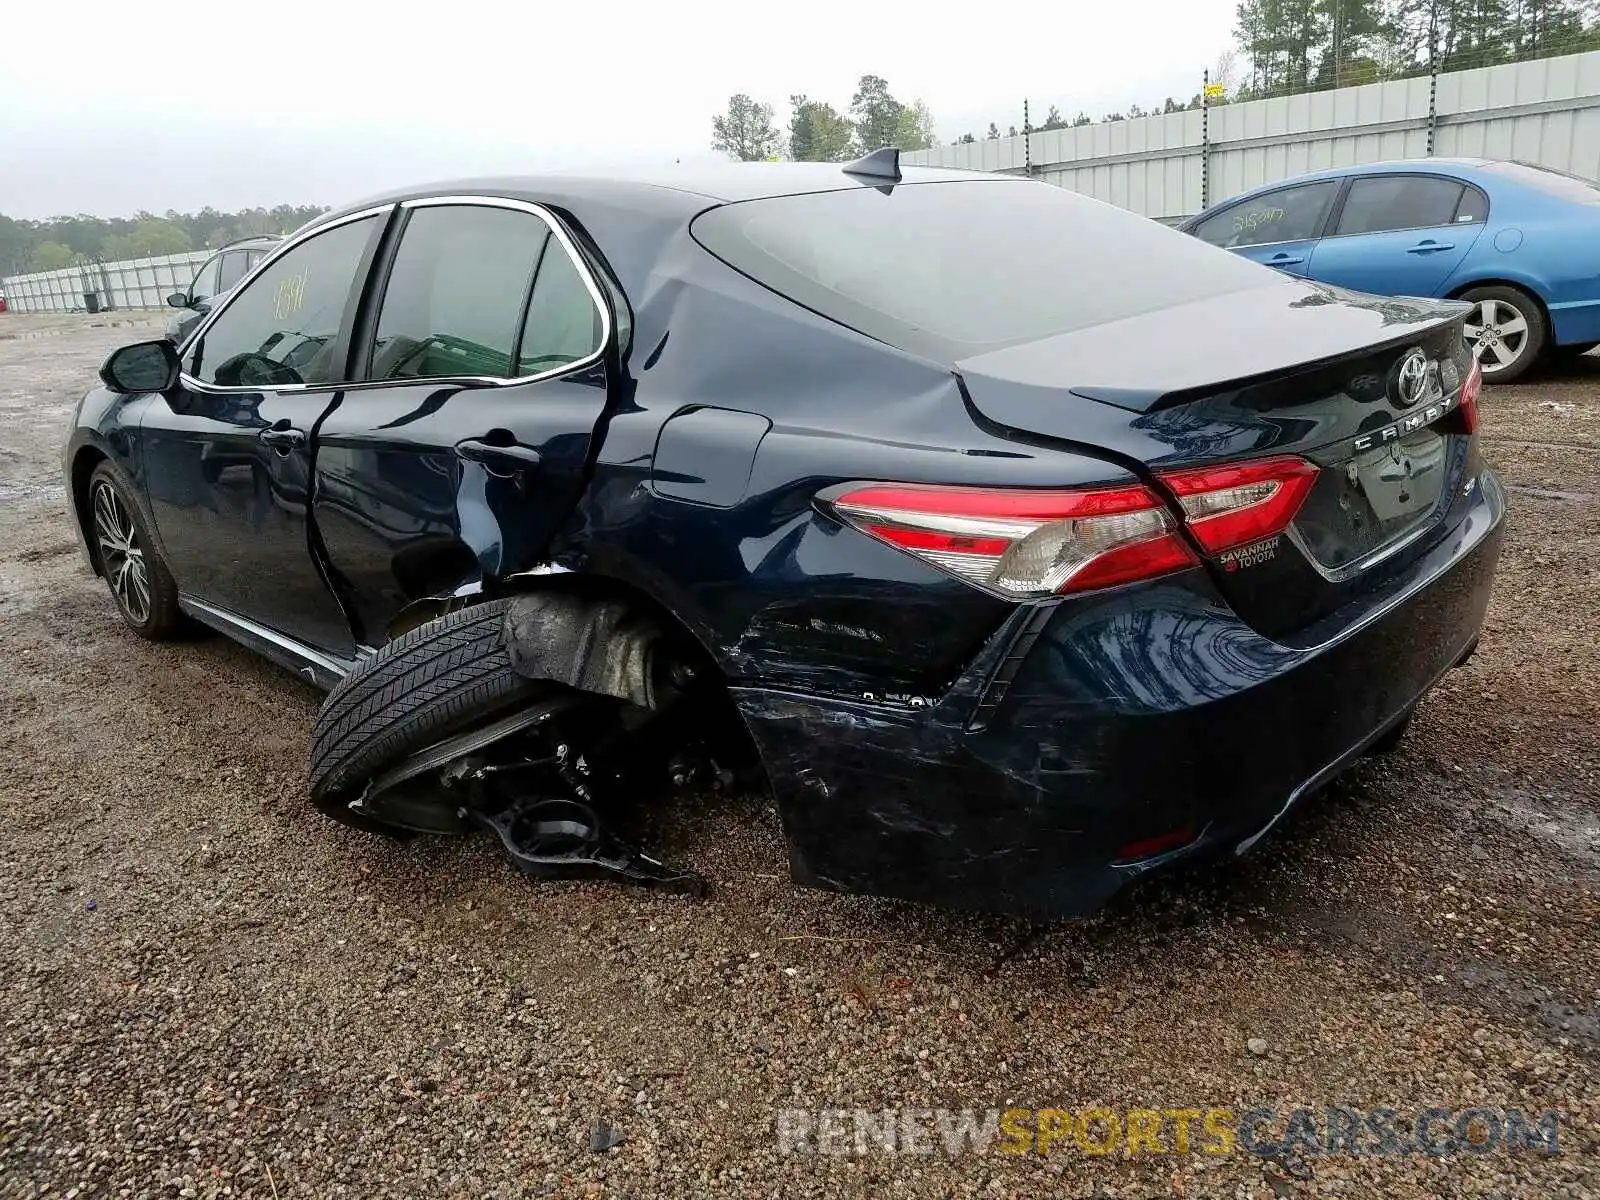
[1278,228]
[1400,235]
[468,444]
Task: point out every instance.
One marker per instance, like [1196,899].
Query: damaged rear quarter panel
[779,592]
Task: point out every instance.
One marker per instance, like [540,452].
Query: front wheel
[1506,332]
[140,583]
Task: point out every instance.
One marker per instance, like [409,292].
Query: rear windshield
[1556,183]
[949,270]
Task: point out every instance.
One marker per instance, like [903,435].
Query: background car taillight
[1025,543]
[1234,505]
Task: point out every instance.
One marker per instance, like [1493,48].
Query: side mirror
[178,300]
[142,367]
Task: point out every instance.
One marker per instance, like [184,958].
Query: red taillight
[1468,408]
[1233,505]
[1025,543]
[1035,543]
[1151,847]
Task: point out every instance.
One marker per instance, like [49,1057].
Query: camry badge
[1411,383]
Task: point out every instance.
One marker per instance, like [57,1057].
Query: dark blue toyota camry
[1018,544]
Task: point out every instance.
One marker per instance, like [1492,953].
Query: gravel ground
[206,989]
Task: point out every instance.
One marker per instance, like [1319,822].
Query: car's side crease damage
[1008,591]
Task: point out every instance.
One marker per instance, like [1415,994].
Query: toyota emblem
[1412,381]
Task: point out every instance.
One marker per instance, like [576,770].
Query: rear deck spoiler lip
[1113,350]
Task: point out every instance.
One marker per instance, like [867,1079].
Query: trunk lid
[1291,368]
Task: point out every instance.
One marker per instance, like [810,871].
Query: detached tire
[437,680]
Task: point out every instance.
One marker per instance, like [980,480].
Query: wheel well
[722,713]
[83,465]
[1544,311]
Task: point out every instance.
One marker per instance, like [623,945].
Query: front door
[228,453]
[467,444]
[1400,235]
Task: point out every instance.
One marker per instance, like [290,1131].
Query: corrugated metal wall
[1545,112]
[134,283]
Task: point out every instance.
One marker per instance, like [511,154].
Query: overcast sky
[111,108]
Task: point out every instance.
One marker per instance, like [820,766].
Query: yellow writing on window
[291,296]
[1255,218]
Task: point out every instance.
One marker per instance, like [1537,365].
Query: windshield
[1556,183]
[948,270]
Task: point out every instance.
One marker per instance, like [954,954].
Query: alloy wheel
[1497,335]
[121,555]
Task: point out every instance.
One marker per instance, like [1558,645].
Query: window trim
[1341,185]
[1332,230]
[219,389]
[379,286]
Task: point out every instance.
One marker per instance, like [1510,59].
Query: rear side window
[1378,203]
[947,270]
[1474,206]
[1286,215]
[563,324]
[453,303]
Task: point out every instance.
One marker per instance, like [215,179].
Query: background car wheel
[140,583]
[437,680]
[1507,333]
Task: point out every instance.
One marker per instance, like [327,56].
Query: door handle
[1283,260]
[284,438]
[1430,247]
[512,457]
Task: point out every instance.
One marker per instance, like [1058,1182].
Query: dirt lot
[208,989]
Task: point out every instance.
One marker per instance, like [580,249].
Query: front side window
[1286,215]
[281,330]
[454,300]
[205,281]
[1379,203]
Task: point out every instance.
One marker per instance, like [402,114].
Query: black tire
[1390,741]
[439,679]
[1534,334]
[144,590]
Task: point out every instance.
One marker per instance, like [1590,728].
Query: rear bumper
[1090,725]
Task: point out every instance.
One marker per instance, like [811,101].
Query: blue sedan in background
[1520,242]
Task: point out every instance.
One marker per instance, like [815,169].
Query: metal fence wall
[135,283]
[1545,112]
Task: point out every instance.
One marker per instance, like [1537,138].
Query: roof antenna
[880,164]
